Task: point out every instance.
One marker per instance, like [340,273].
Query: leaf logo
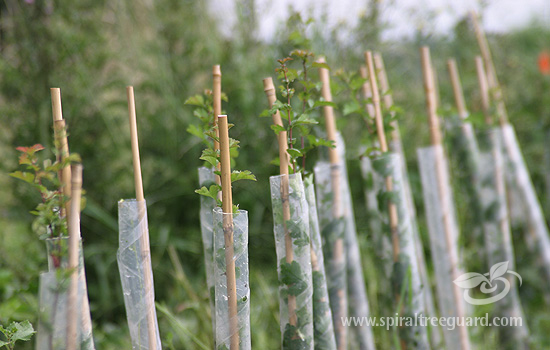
[489,285]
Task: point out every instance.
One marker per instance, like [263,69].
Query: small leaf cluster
[351,84]
[207,131]
[298,89]
[15,331]
[204,111]
[43,178]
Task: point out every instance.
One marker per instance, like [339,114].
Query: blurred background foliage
[166,49]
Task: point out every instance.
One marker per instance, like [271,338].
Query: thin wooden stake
[269,90]
[227,206]
[282,139]
[144,237]
[385,88]
[367,91]
[392,209]
[435,135]
[457,89]
[484,90]
[337,208]
[491,74]
[74,238]
[217,107]
[60,136]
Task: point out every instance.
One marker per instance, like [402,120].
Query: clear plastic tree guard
[58,261]
[53,301]
[498,238]
[406,279]
[441,218]
[292,242]
[136,274]
[333,232]
[323,330]
[520,181]
[240,257]
[207,178]
[358,302]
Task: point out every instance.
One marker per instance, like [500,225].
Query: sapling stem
[144,237]
[227,206]
[436,140]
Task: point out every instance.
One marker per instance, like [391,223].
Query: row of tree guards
[319,261]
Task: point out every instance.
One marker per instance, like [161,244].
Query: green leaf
[23,331]
[294,153]
[320,65]
[196,131]
[27,177]
[292,276]
[324,103]
[211,192]
[237,175]
[196,100]
[277,128]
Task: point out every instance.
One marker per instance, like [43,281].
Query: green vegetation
[166,48]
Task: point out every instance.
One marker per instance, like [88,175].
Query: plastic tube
[333,233]
[52,326]
[358,301]
[498,239]
[240,246]
[442,227]
[406,279]
[207,178]
[293,262]
[519,179]
[131,264]
[57,250]
[323,329]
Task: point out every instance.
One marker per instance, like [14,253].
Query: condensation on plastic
[436,208]
[240,247]
[333,234]
[496,226]
[520,180]
[323,329]
[58,257]
[407,266]
[132,268]
[207,178]
[52,325]
[300,266]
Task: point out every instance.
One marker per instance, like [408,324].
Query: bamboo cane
[144,237]
[337,209]
[457,89]
[392,209]
[217,107]
[367,91]
[397,146]
[227,206]
[435,137]
[74,238]
[492,78]
[269,90]
[60,135]
[484,90]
